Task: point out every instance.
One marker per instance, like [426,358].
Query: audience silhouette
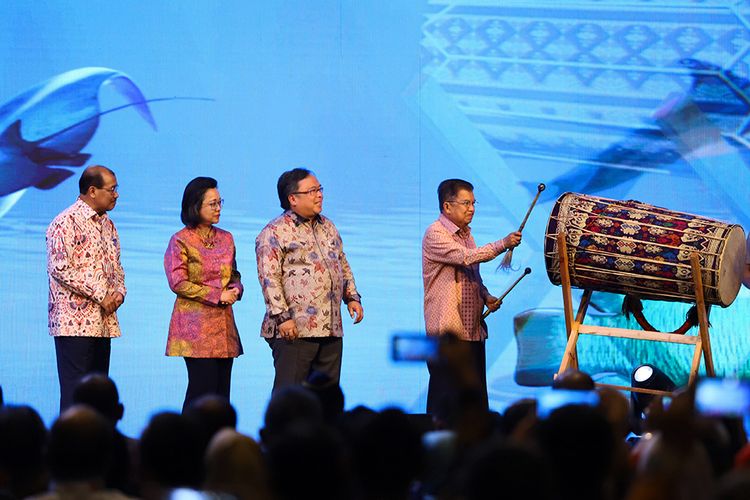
[311,448]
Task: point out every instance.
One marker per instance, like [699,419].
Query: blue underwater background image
[643,100]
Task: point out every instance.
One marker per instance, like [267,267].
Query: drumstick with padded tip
[525,272]
[508,259]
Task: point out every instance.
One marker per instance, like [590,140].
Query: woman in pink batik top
[202,271]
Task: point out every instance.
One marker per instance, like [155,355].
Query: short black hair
[100,393]
[192,199]
[80,445]
[449,188]
[170,451]
[92,176]
[288,183]
[23,439]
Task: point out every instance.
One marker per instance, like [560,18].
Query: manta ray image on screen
[49,124]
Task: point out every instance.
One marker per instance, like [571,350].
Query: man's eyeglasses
[111,190]
[216,204]
[463,203]
[312,191]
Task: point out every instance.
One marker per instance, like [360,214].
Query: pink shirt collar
[452,227]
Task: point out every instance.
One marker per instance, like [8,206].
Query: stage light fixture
[646,376]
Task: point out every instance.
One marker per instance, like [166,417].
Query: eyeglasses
[464,203]
[111,190]
[312,191]
[216,204]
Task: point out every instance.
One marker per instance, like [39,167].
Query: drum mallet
[508,259]
[500,300]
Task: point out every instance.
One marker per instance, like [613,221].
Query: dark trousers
[294,360]
[207,376]
[76,357]
[443,389]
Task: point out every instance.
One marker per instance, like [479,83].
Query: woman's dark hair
[192,199]
[288,183]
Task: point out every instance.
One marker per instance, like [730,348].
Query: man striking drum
[454,294]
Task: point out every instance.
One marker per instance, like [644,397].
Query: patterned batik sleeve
[269,256]
[235,279]
[350,289]
[179,277]
[119,272]
[483,291]
[63,269]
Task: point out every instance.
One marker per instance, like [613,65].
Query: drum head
[732,266]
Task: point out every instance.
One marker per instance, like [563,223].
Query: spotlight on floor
[646,377]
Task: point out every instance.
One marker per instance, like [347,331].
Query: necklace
[208,239]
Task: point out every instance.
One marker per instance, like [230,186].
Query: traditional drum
[632,248]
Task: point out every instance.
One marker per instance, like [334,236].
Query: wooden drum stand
[574,325]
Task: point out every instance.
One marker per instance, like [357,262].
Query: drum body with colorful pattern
[633,248]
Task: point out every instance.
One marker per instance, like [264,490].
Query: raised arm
[440,247]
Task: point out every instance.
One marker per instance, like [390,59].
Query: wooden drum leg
[570,357]
[700,305]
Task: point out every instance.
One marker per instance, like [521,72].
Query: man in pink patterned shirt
[86,281]
[454,294]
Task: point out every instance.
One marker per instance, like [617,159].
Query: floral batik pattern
[83,264]
[304,275]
